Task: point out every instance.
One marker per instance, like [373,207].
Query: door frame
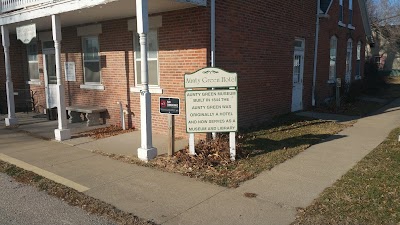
[45,52]
[298,50]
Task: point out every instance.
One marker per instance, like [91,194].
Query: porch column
[62,133]
[11,119]
[146,152]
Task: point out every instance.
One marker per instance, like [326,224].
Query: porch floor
[123,144]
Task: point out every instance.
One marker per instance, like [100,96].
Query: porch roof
[74,12]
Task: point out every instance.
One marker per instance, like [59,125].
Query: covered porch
[52,17]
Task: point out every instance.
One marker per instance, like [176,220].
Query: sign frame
[68,76]
[217,73]
[169,113]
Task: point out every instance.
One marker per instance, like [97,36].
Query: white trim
[155,22]
[99,87]
[58,7]
[34,82]
[340,23]
[351,27]
[90,30]
[331,81]
[329,7]
[152,89]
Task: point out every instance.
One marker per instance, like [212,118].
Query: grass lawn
[368,194]
[258,150]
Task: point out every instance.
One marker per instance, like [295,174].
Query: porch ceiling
[112,10]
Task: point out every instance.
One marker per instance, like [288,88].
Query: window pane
[138,73]
[32,52]
[34,71]
[332,61]
[92,72]
[91,48]
[153,44]
[137,46]
[153,73]
[48,44]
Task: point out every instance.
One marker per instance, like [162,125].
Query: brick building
[271,47]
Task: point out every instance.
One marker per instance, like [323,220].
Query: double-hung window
[33,64]
[91,60]
[350,12]
[358,62]
[152,57]
[332,59]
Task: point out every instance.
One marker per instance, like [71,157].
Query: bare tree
[385,22]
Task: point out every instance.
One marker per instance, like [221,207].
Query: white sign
[69,68]
[210,78]
[211,111]
[26,33]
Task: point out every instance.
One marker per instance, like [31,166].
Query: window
[341,11]
[33,68]
[349,57]
[332,56]
[358,62]
[91,60]
[350,12]
[152,54]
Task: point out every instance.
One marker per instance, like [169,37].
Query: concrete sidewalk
[173,199]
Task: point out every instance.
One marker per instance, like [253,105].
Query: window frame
[28,48]
[332,79]
[349,61]
[136,60]
[341,11]
[83,61]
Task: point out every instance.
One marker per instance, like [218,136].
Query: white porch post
[11,119]
[146,152]
[62,133]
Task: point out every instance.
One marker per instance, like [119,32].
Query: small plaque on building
[169,106]
[26,33]
[69,68]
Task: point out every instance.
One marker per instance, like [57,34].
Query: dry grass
[71,196]
[258,150]
[367,194]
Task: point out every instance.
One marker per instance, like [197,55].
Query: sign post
[212,110]
[170,106]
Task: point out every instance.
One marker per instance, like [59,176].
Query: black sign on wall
[170,106]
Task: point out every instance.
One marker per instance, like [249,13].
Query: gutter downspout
[316,52]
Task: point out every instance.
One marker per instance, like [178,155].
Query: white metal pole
[62,133]
[11,118]
[146,152]
[214,135]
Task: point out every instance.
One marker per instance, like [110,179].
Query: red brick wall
[328,28]
[256,40]
[183,48]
